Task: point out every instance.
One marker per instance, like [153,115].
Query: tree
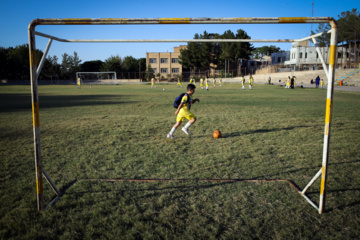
[265,51]
[349,26]
[18,63]
[149,73]
[3,63]
[112,64]
[349,30]
[130,64]
[69,66]
[243,49]
[323,40]
[207,54]
[51,68]
[91,66]
[191,56]
[235,50]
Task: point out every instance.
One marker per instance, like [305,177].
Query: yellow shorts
[184,113]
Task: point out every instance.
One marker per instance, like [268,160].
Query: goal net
[96,78]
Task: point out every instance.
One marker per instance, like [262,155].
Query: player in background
[183,111]
[202,83]
[243,82]
[79,82]
[322,83]
[207,84]
[251,82]
[179,83]
[153,82]
[220,81]
[214,82]
[288,80]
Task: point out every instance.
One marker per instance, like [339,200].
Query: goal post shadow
[35,72]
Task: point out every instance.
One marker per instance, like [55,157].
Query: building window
[301,55]
[279,59]
[317,55]
[175,70]
[305,55]
[152,60]
[154,70]
[164,60]
[164,70]
[174,60]
[339,55]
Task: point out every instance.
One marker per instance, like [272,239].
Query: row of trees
[205,55]
[15,64]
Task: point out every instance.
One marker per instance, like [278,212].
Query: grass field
[120,132]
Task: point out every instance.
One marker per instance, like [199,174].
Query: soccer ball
[163,89]
[217,134]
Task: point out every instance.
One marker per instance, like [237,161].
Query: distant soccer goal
[97,77]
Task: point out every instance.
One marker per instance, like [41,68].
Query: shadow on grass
[184,188]
[237,134]
[19,102]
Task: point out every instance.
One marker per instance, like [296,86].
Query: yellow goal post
[35,71]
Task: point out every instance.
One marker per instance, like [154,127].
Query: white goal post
[96,77]
[35,71]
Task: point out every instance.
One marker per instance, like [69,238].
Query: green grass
[120,132]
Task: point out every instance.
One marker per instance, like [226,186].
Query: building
[280,57]
[165,63]
[302,56]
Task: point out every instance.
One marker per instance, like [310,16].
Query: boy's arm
[178,109]
[196,100]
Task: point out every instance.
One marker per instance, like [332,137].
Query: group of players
[206,81]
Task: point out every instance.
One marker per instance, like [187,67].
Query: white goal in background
[97,77]
[35,71]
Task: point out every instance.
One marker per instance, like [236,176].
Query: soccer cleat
[185,131]
[170,136]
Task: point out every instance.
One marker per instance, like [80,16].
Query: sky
[15,16]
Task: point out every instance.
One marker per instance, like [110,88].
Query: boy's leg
[171,133]
[188,124]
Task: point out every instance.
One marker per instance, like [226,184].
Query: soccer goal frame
[35,71]
[98,74]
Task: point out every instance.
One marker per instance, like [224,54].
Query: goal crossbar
[34,73]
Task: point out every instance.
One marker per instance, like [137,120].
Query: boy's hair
[190,87]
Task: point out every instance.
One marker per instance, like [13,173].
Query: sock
[187,125]
[172,131]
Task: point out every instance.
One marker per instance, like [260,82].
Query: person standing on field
[202,83]
[207,84]
[288,80]
[292,82]
[317,81]
[251,82]
[243,82]
[153,82]
[183,111]
[179,83]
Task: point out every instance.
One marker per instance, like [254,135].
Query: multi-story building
[165,63]
[304,56]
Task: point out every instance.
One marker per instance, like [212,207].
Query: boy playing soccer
[183,111]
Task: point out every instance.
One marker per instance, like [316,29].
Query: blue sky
[15,16]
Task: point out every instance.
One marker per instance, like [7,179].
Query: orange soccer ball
[217,134]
